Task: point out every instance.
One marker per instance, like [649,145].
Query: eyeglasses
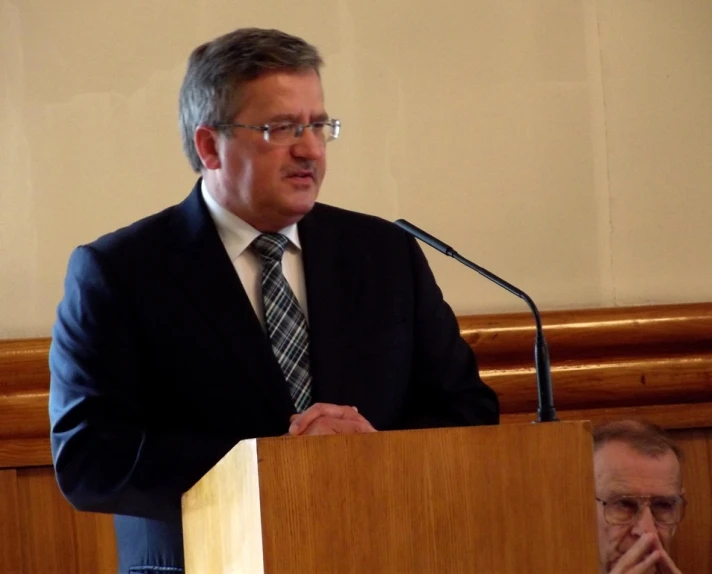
[666,510]
[289,133]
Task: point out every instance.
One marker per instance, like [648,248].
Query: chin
[293,213]
[302,204]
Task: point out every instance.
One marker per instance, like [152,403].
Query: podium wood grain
[507,499]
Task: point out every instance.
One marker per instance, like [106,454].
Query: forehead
[619,469]
[283,93]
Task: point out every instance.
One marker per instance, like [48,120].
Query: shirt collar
[235,233]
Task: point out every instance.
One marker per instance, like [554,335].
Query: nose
[645,522]
[309,146]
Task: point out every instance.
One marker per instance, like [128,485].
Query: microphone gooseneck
[546,411]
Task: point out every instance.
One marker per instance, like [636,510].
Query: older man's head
[638,480]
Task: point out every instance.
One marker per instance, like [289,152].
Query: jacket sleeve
[108,456]
[447,389]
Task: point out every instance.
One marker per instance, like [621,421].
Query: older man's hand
[646,556]
[325,418]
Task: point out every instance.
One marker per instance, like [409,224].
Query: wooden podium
[501,499]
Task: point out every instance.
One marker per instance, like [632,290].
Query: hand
[665,564]
[646,556]
[325,418]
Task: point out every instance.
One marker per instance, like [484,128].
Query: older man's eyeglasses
[666,510]
[289,133]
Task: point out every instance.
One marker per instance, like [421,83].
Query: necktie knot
[270,246]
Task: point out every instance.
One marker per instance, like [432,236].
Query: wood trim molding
[651,362]
[606,363]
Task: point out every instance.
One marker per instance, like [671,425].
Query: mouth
[301,176]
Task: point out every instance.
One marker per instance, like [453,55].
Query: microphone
[546,411]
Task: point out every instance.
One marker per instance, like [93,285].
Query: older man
[638,479]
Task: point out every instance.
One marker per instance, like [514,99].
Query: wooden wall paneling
[615,382]
[24,364]
[24,389]
[593,333]
[20,452]
[675,416]
[692,545]
[605,363]
[10,541]
[650,362]
[56,538]
[25,411]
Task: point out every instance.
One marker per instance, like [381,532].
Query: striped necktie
[285,322]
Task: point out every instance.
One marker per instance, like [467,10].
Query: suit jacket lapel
[203,267]
[330,298]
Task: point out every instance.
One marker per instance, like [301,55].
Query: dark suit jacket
[159,364]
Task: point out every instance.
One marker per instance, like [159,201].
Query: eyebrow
[618,494]
[296,119]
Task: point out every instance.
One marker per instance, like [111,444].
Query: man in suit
[248,310]
[638,479]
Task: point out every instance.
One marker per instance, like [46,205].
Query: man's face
[620,470]
[268,185]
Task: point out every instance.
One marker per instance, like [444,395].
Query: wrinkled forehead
[619,469]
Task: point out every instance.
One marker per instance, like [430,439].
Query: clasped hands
[325,418]
[646,556]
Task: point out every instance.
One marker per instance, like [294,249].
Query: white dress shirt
[237,235]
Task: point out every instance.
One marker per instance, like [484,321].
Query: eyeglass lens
[665,510]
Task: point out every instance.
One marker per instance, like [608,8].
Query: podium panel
[501,499]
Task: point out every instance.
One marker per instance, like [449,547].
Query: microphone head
[425,237]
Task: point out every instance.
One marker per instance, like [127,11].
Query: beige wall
[567,146]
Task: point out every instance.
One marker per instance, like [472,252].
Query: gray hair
[642,436]
[217,70]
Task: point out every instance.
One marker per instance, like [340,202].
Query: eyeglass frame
[642,502]
[267,128]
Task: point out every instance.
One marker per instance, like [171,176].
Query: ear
[206,140]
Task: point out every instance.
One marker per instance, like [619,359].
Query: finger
[644,567]
[363,426]
[666,563]
[328,425]
[321,426]
[318,427]
[633,557]
[304,419]
[647,565]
